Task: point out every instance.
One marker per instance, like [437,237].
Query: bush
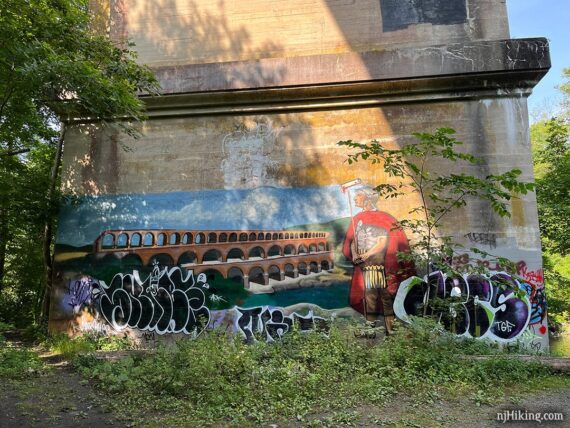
[5,326]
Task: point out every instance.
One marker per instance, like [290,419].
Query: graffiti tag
[505,326]
[79,293]
[271,324]
[535,289]
[480,306]
[489,239]
[532,282]
[167,301]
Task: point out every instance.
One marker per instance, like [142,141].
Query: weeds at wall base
[309,379]
[70,348]
[219,379]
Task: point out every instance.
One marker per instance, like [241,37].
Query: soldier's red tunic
[396,271]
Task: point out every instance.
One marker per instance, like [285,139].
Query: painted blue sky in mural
[81,221]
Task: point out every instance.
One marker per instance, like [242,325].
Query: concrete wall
[170,32]
[256,97]
[300,150]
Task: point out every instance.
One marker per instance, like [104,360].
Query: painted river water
[334,296]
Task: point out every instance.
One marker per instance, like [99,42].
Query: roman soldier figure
[372,242]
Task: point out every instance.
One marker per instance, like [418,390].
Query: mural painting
[259,255]
[163,272]
[372,242]
[260,282]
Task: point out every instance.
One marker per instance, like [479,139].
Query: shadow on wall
[95,163]
[258,151]
[286,150]
[210,36]
[92,162]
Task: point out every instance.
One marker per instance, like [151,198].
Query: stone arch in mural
[257,274]
[212,255]
[256,252]
[188,257]
[274,272]
[236,274]
[162,259]
[277,254]
[275,251]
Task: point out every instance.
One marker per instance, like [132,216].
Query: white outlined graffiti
[271,324]
[167,301]
[484,308]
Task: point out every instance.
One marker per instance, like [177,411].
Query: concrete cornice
[353,95]
[470,70]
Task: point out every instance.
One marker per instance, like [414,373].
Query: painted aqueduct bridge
[243,140]
[252,255]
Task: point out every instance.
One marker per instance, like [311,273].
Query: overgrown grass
[71,347]
[218,379]
[17,363]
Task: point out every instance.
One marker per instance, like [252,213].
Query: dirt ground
[465,413]
[59,397]
[56,397]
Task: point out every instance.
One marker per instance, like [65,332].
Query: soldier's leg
[372,302]
[388,308]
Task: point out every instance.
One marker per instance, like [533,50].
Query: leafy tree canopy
[551,147]
[551,151]
[54,67]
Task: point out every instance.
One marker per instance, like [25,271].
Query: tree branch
[8,93]
[448,208]
[15,152]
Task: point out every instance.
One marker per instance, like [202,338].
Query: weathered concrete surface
[460,59]
[168,32]
[256,97]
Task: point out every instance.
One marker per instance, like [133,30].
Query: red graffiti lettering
[533,277]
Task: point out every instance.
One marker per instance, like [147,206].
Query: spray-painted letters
[478,305]
[167,301]
[271,324]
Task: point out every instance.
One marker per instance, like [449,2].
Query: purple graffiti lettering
[478,305]
[80,293]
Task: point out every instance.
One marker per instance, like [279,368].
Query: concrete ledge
[342,96]
[475,70]
[394,64]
